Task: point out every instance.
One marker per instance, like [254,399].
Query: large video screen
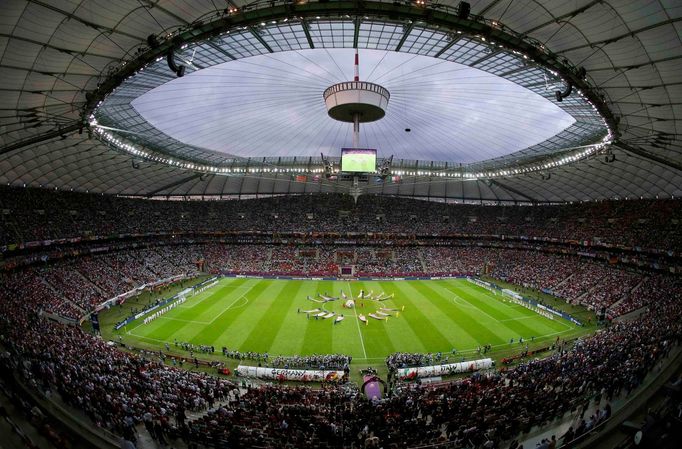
[358,160]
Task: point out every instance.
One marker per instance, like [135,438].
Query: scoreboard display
[358,160]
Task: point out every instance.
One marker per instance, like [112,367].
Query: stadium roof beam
[251,21]
[443,17]
[492,54]
[513,190]
[260,39]
[157,6]
[41,138]
[636,66]
[647,155]
[453,41]
[488,7]
[174,184]
[515,70]
[306,31]
[406,33]
[68,51]
[46,73]
[571,14]
[100,28]
[622,36]
[219,49]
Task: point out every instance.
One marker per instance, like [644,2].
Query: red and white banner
[444,370]
[299,375]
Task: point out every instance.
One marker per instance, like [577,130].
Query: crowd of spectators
[543,271]
[56,214]
[598,286]
[77,285]
[653,289]
[407,359]
[113,388]
[467,412]
[119,390]
[314,361]
[86,282]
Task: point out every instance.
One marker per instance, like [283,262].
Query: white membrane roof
[53,52]
[271,105]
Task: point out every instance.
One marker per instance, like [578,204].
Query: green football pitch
[262,315]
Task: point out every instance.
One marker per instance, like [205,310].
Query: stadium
[340,224]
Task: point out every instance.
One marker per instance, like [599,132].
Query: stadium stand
[86,372]
[155,148]
[645,224]
[117,390]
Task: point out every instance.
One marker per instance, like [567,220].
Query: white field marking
[196,299]
[233,302]
[519,319]
[515,306]
[180,319]
[457,300]
[131,330]
[164,317]
[473,306]
[362,341]
[464,351]
[229,307]
[147,338]
[197,322]
[467,351]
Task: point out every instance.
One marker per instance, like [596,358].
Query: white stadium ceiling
[53,52]
[272,105]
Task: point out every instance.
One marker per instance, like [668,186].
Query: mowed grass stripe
[470,321]
[303,329]
[520,321]
[318,332]
[526,328]
[346,339]
[164,329]
[384,337]
[421,315]
[215,300]
[493,308]
[545,329]
[222,331]
[260,315]
[466,331]
[291,338]
[281,296]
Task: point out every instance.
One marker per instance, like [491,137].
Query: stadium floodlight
[328,167]
[385,168]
